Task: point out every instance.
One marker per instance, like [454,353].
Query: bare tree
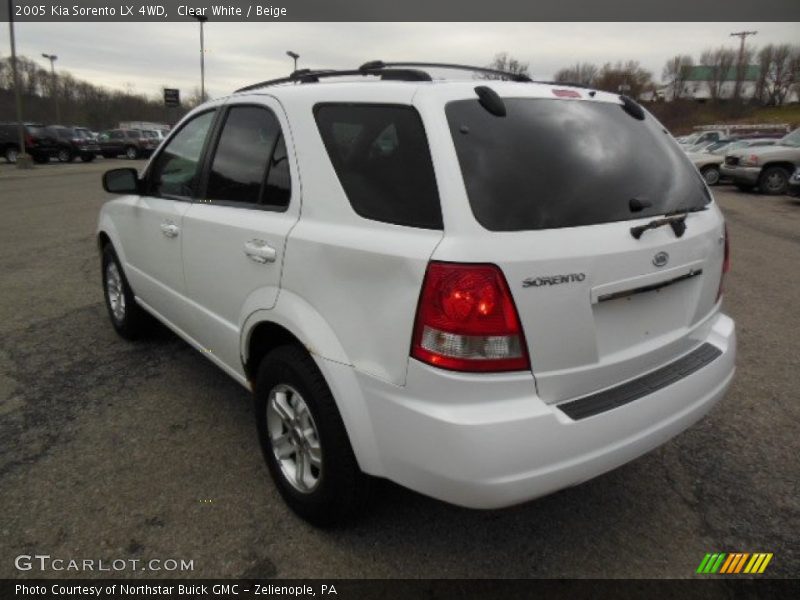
[675,73]
[719,63]
[743,60]
[629,78]
[778,64]
[581,73]
[504,62]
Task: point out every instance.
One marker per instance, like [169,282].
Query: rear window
[565,163]
[380,154]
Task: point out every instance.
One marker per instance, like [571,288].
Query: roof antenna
[491,101]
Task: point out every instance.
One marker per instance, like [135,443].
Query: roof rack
[313,76]
[379,64]
[384,70]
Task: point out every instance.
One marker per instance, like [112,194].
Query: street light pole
[53,58]
[293,55]
[202,19]
[23,160]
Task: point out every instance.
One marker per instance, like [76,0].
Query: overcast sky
[151,55]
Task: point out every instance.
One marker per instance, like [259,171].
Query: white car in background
[485,291]
[709,162]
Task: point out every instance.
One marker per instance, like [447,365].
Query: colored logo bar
[733,563]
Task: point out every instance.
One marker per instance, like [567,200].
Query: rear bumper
[488,441]
[739,174]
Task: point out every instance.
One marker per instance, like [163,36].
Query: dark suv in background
[37,143]
[69,143]
[129,142]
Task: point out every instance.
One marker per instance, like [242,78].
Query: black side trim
[647,384]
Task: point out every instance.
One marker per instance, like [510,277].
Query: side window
[380,154]
[175,170]
[250,164]
[116,135]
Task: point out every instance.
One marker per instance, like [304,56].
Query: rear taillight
[467,321]
[29,141]
[726,263]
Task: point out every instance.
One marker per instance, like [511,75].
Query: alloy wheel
[115,291]
[294,438]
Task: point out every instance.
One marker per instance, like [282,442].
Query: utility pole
[202,19]
[23,160]
[740,70]
[53,58]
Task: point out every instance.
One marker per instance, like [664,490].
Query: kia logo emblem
[661,259]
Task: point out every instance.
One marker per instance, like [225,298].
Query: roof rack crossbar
[313,76]
[379,64]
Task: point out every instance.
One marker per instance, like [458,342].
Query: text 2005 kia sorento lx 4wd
[485,291]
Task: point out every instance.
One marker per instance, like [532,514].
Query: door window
[176,168]
[250,165]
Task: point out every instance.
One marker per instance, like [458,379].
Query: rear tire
[710,174]
[128,318]
[774,181]
[64,155]
[87,158]
[298,422]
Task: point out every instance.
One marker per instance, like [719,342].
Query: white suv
[483,290]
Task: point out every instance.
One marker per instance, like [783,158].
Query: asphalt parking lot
[116,450]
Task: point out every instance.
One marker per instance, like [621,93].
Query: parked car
[154,134]
[129,142]
[705,137]
[70,143]
[37,143]
[769,167]
[86,131]
[494,289]
[709,162]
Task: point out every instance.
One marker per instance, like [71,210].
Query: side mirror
[121,181]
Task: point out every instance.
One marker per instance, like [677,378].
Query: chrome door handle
[260,251]
[169,229]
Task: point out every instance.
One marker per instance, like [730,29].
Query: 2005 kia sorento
[482,290]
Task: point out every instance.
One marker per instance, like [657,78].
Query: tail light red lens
[726,263]
[467,321]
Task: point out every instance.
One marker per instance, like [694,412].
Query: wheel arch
[787,165]
[294,321]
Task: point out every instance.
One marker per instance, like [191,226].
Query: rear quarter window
[552,163]
[380,154]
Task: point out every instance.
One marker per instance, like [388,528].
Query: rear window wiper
[675,219]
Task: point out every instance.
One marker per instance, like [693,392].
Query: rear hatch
[557,184]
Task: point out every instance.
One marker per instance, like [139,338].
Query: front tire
[711,175]
[304,441]
[128,318]
[132,153]
[87,158]
[11,154]
[774,181]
